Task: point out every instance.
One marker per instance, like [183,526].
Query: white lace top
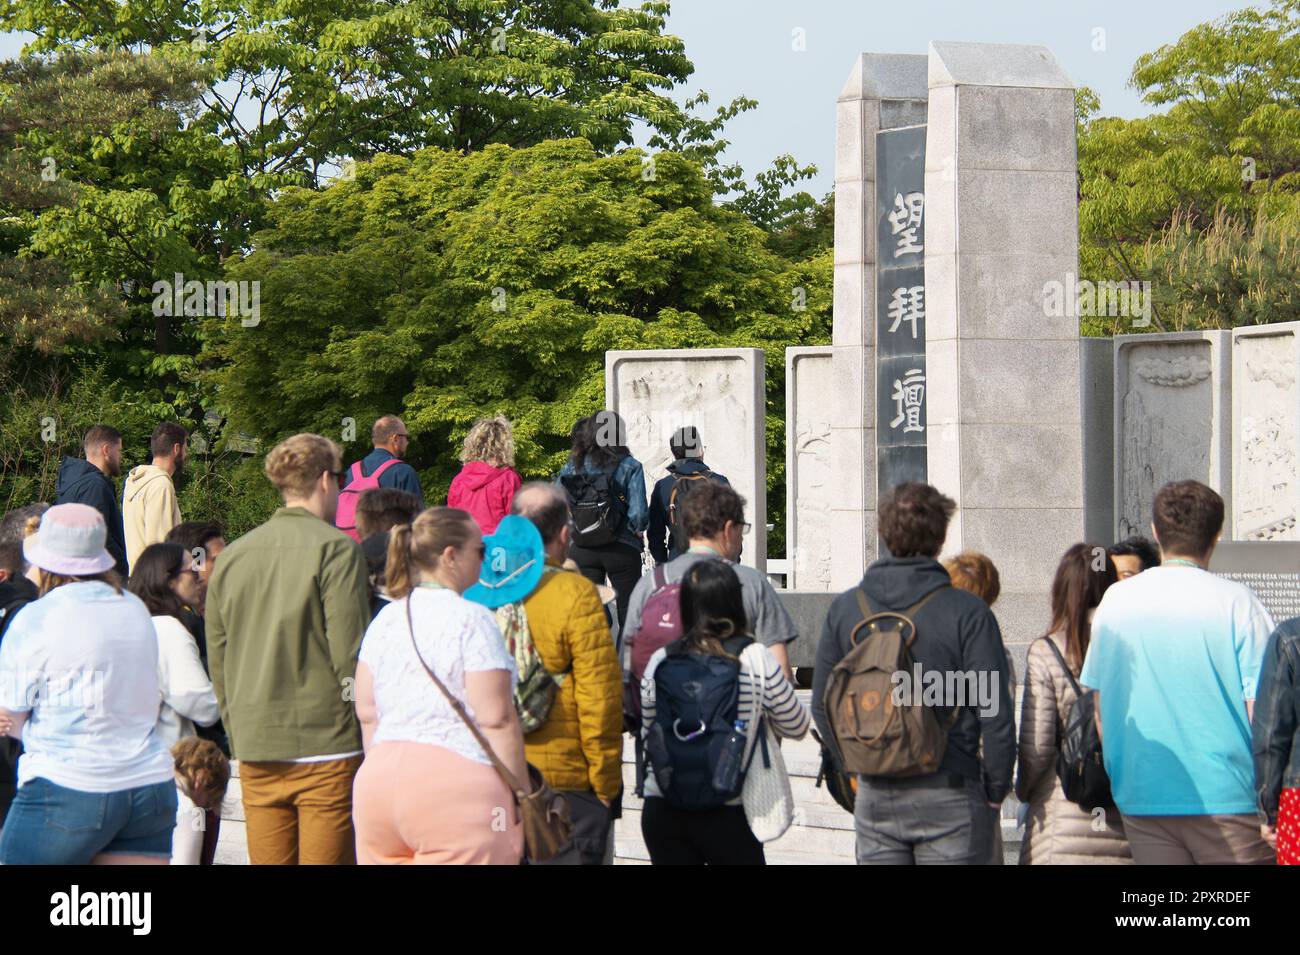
[455,637]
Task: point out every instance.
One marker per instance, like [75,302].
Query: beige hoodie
[149,509]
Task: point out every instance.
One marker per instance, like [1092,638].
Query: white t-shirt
[83,663]
[185,689]
[455,637]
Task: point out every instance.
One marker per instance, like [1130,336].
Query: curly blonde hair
[491,440]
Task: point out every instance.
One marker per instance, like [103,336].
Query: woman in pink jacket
[488,481]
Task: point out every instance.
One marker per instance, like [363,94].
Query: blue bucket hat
[513,563]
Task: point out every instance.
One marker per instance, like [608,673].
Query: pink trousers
[414,803]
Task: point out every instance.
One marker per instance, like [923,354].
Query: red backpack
[661,624]
[345,519]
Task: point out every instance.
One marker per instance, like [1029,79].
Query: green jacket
[286,609]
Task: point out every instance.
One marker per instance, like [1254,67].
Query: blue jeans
[53,825]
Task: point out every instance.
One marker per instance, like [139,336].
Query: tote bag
[767,797]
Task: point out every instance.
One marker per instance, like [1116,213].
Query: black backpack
[599,510]
[697,701]
[1079,766]
[681,541]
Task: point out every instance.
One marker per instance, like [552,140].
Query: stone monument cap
[952,63]
[887,76]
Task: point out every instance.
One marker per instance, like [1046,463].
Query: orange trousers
[299,813]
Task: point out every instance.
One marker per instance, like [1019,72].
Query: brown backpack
[875,736]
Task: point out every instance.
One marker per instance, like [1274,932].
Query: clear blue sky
[746,47]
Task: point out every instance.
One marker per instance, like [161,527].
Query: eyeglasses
[337,475]
[745,528]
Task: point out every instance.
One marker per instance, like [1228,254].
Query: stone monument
[1005,421]
[718,390]
[1265,430]
[884,91]
[1172,409]
[810,492]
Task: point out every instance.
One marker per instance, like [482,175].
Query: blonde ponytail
[397,571]
[418,545]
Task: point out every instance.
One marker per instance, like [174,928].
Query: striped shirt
[785,714]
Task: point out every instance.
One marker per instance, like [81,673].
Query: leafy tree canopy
[449,286]
[1162,197]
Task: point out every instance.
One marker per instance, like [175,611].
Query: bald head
[547,507]
[390,434]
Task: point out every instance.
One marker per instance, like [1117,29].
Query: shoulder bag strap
[660,578]
[506,776]
[758,695]
[1069,674]
[862,602]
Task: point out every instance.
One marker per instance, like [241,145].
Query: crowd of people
[394,680]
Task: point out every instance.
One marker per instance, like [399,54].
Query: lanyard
[1183,563]
[432,585]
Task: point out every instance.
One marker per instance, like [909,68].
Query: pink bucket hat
[70,541]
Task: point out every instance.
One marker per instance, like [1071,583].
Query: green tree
[1218,163]
[449,286]
[298,87]
[59,118]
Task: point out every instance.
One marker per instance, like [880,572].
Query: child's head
[202,771]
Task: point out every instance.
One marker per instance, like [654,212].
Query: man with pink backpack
[382,467]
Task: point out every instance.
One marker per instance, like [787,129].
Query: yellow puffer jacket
[580,746]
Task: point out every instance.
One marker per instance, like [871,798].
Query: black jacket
[660,533]
[80,482]
[14,595]
[956,631]
[1276,726]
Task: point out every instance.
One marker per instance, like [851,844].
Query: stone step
[799,846]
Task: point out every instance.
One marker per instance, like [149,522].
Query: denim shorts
[53,825]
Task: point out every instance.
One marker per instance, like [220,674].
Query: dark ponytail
[713,607]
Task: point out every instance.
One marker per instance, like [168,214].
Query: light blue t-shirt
[82,662]
[1175,653]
